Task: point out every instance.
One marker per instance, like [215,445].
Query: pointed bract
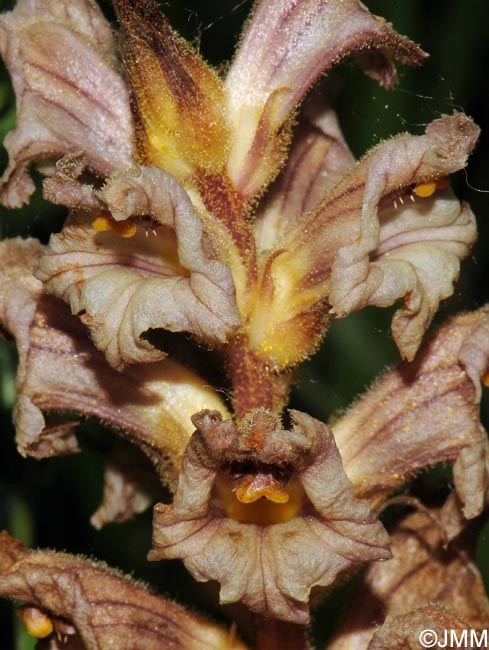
[178,99]
[317,160]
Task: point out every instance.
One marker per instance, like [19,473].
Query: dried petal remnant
[271,567]
[425,585]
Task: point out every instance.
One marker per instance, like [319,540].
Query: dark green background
[49,503]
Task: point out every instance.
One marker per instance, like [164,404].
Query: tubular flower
[250,497]
[98,608]
[256,494]
[229,208]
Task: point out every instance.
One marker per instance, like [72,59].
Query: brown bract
[70,92]
[178,99]
[317,159]
[422,413]
[105,609]
[60,370]
[426,585]
[271,567]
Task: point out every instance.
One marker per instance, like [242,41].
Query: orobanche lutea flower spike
[229,209]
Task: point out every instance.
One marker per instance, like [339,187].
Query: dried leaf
[70,94]
[122,288]
[129,488]
[285,47]
[405,632]
[356,248]
[108,610]
[60,370]
[422,413]
[266,544]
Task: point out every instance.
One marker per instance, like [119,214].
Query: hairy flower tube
[226,213]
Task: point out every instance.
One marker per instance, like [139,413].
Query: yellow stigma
[423,190]
[253,488]
[37,623]
[104,223]
[264,511]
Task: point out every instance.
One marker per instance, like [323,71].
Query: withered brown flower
[430,583]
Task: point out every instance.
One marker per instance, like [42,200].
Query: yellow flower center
[105,222]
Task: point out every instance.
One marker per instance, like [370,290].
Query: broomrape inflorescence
[230,208]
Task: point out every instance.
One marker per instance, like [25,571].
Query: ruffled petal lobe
[60,370]
[163,276]
[266,512]
[358,248]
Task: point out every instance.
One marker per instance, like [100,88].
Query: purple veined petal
[61,370]
[318,158]
[371,241]
[315,528]
[422,413]
[286,46]
[99,606]
[70,93]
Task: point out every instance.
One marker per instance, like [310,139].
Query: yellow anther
[423,190]
[253,488]
[104,223]
[37,623]
[485,379]
[124,228]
